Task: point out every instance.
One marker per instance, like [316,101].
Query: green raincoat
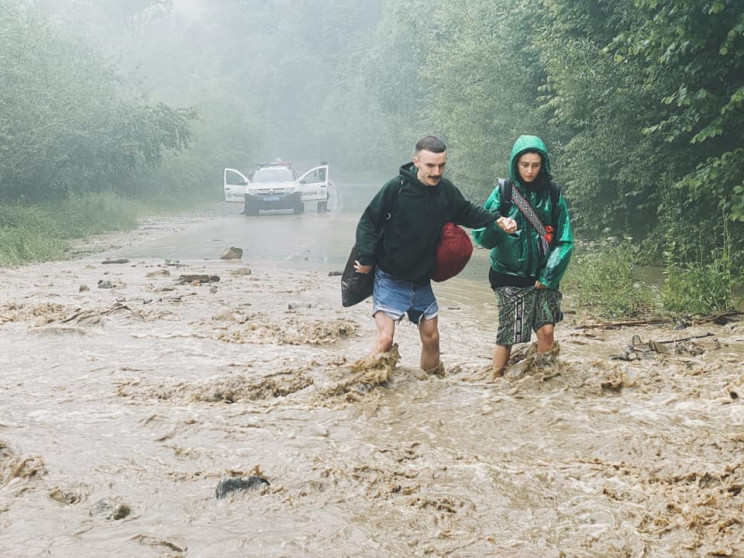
[518,254]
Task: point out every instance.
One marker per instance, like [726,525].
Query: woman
[527,266]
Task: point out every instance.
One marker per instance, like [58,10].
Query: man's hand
[539,285]
[507,224]
[359,268]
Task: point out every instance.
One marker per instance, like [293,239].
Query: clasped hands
[507,224]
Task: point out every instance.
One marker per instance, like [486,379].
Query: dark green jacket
[407,247]
[518,254]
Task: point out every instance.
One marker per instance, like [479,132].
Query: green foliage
[483,80]
[602,277]
[641,102]
[650,94]
[699,289]
[705,285]
[71,122]
[43,232]
[28,234]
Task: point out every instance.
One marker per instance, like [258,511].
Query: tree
[71,121]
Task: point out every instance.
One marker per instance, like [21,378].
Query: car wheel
[250,208]
[299,208]
[323,207]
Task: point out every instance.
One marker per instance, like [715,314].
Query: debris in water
[110,509]
[226,486]
[232,253]
[197,278]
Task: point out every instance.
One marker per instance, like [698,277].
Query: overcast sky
[192,7]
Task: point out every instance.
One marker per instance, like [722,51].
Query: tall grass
[601,277]
[704,286]
[43,233]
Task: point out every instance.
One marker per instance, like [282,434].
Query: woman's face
[529,165]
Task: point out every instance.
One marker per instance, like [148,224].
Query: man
[397,236]
[527,267]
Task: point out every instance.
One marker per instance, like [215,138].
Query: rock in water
[112,509]
[232,253]
[226,486]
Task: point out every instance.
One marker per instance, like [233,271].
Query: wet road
[308,242]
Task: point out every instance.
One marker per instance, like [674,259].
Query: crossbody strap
[528,211]
[546,233]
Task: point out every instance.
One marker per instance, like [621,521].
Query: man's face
[430,166]
[529,166]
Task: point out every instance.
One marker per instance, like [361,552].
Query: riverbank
[74,227]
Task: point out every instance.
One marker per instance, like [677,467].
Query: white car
[277,186]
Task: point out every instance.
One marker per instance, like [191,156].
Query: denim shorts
[396,297]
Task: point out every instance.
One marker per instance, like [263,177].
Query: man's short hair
[432,144]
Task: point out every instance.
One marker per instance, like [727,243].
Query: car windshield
[274,175]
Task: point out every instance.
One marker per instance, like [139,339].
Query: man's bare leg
[385,333]
[429,332]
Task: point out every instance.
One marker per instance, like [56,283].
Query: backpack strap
[392,207]
[555,194]
[505,195]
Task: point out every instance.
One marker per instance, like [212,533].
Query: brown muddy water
[129,393]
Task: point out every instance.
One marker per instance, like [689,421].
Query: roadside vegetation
[603,277]
[43,232]
[608,279]
[640,102]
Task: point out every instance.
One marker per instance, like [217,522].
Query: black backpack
[505,191]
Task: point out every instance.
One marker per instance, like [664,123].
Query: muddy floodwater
[159,401]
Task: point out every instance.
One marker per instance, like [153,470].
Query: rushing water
[122,409]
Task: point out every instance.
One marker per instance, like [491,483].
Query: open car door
[314,184]
[234,183]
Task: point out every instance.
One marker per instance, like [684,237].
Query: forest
[641,103]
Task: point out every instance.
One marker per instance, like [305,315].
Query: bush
[28,234]
[602,278]
[42,233]
[699,289]
[704,286]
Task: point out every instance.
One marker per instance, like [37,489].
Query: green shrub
[601,277]
[97,213]
[42,233]
[18,247]
[702,288]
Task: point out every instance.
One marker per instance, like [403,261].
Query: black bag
[355,287]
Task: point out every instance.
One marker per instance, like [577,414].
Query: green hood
[518,254]
[528,143]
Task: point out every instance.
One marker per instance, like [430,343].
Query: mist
[149,96]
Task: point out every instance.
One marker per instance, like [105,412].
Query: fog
[147,369]
[268,79]
[264,80]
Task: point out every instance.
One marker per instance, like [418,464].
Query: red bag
[453,252]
